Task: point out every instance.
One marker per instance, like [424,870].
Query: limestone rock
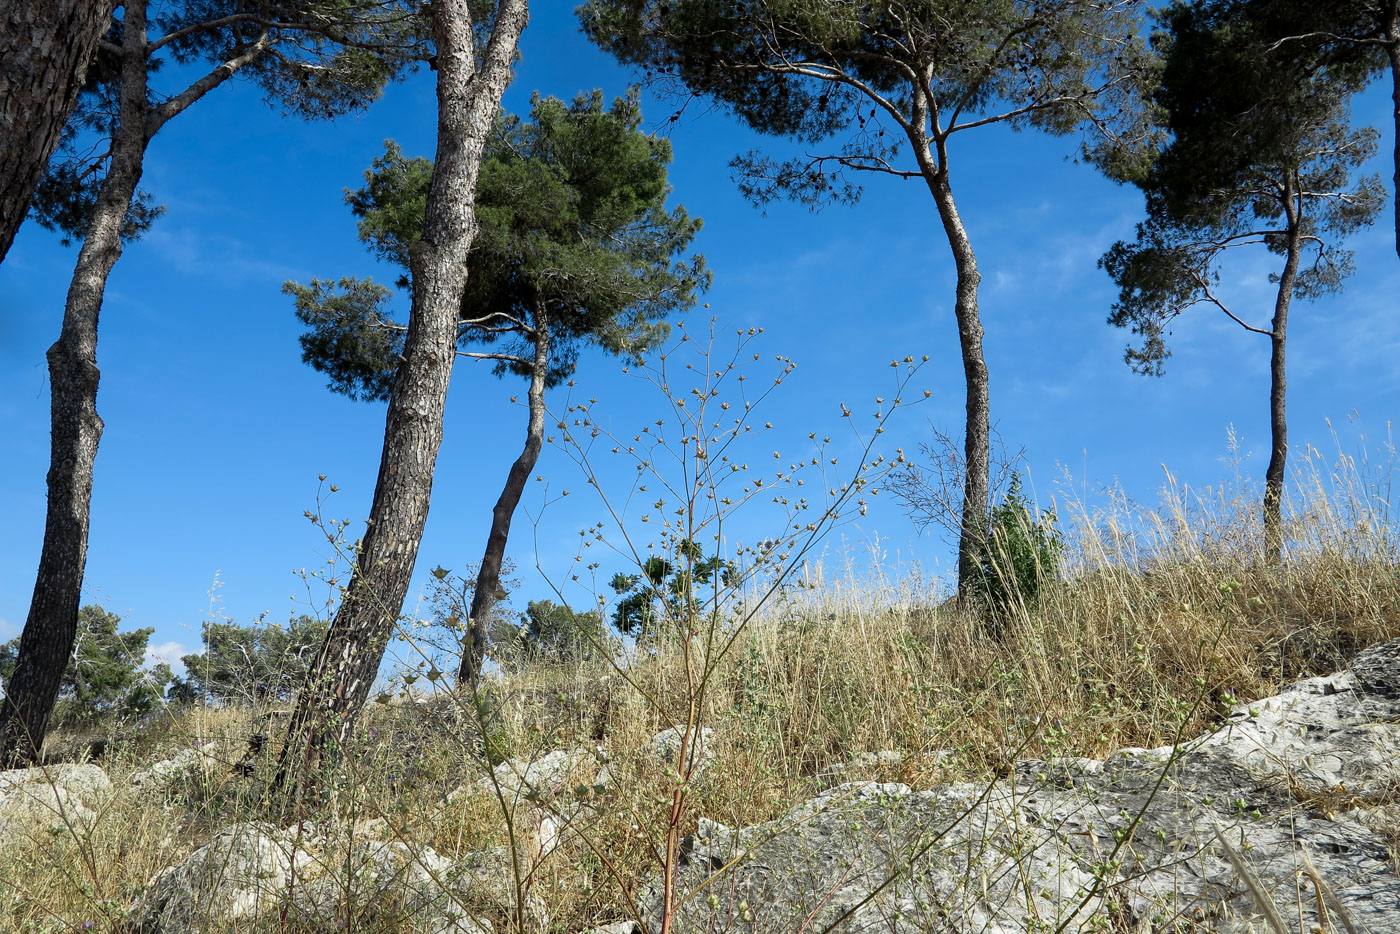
[1145,840]
[244,871]
[663,748]
[413,883]
[249,872]
[666,746]
[529,779]
[199,762]
[51,798]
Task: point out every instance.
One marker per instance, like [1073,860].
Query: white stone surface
[1129,842]
[50,799]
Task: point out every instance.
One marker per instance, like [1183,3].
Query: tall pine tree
[576,248]
[890,88]
[470,82]
[1268,165]
[317,58]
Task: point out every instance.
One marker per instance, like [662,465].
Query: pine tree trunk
[977,429]
[1278,384]
[45,48]
[488,578]
[51,626]
[345,668]
[1392,50]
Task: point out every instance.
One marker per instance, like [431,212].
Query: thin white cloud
[168,652]
[197,252]
[8,630]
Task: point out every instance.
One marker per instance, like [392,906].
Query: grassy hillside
[1164,620]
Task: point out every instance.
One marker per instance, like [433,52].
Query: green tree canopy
[1175,263]
[1231,100]
[1248,160]
[668,594]
[316,60]
[552,632]
[571,206]
[106,673]
[1233,67]
[575,246]
[254,664]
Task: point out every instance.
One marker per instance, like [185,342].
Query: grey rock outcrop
[244,871]
[199,762]
[1146,840]
[527,779]
[663,749]
[416,884]
[249,872]
[51,798]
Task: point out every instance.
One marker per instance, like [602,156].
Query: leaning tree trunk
[345,668]
[45,48]
[1278,384]
[488,578]
[1392,49]
[52,623]
[977,430]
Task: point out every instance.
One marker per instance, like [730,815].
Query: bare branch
[159,116]
[1210,296]
[504,357]
[834,75]
[1352,40]
[176,35]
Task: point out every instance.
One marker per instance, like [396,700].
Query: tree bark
[1278,382]
[45,48]
[345,668]
[488,578]
[1392,51]
[977,428]
[51,626]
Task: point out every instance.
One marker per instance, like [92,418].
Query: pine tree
[1266,164]
[318,58]
[576,248]
[889,87]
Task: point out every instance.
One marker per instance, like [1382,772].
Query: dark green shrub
[1020,558]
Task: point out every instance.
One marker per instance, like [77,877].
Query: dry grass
[1166,619]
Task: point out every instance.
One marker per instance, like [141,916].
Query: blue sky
[216,433]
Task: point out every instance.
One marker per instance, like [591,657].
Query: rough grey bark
[1392,51]
[349,659]
[1278,381]
[977,425]
[488,578]
[76,428]
[977,406]
[45,48]
[52,623]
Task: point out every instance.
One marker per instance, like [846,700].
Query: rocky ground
[1286,819]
